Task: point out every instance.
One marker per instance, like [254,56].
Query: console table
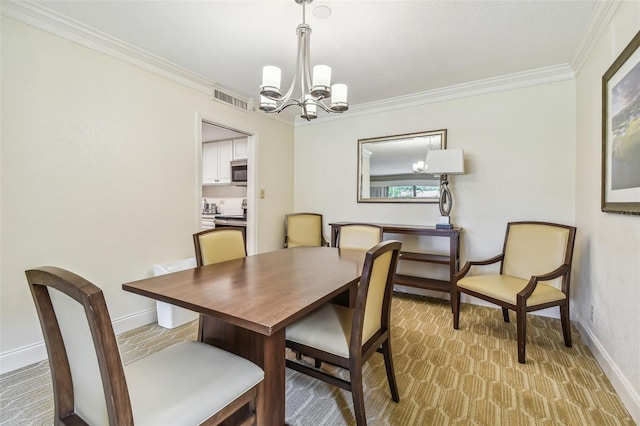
[452,260]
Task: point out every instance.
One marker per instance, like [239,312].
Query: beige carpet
[446,377]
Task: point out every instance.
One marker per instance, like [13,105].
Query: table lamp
[444,162]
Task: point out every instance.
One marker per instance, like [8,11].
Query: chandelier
[315,88]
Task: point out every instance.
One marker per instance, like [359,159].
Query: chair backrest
[359,236]
[88,377]
[303,229]
[219,245]
[533,248]
[373,301]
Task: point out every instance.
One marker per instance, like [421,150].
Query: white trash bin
[171,316]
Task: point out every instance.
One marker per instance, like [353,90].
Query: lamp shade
[267,104]
[321,76]
[445,162]
[271,76]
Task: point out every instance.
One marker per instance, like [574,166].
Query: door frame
[252,173]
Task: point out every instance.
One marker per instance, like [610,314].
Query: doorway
[221,199]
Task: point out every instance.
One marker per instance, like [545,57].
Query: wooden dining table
[247,303]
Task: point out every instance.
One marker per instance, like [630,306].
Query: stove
[230,220]
[231,217]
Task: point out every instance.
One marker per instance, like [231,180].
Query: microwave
[239,172]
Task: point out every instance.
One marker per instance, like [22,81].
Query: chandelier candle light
[314,88]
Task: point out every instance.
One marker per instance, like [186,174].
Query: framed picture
[621,132]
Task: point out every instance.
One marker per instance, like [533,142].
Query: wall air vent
[235,101]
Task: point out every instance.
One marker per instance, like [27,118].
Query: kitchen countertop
[231,220]
[226,219]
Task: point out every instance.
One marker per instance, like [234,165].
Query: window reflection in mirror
[392,168]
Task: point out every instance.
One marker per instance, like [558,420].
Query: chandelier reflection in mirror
[314,91]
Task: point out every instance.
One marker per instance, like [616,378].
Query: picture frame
[621,133]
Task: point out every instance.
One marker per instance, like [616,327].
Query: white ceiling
[211,132]
[380,49]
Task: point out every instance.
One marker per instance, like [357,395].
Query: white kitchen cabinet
[216,162]
[240,149]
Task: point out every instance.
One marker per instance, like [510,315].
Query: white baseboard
[22,357]
[136,320]
[622,386]
[31,354]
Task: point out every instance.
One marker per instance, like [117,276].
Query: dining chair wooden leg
[357,392]
[505,314]
[455,298]
[200,327]
[391,375]
[316,362]
[521,330]
[259,406]
[566,324]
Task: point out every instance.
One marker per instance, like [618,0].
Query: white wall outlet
[262,194]
[593,314]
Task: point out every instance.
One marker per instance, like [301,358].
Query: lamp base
[444,222]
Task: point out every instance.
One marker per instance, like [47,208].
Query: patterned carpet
[446,377]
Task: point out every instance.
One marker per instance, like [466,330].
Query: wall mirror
[391,169]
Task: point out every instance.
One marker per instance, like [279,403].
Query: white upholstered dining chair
[188,383]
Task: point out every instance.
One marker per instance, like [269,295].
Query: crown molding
[47,20]
[600,19]
[489,85]
[598,23]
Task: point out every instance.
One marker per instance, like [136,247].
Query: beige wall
[607,272]
[519,154]
[100,175]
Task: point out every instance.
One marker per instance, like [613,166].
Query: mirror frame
[361,142]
